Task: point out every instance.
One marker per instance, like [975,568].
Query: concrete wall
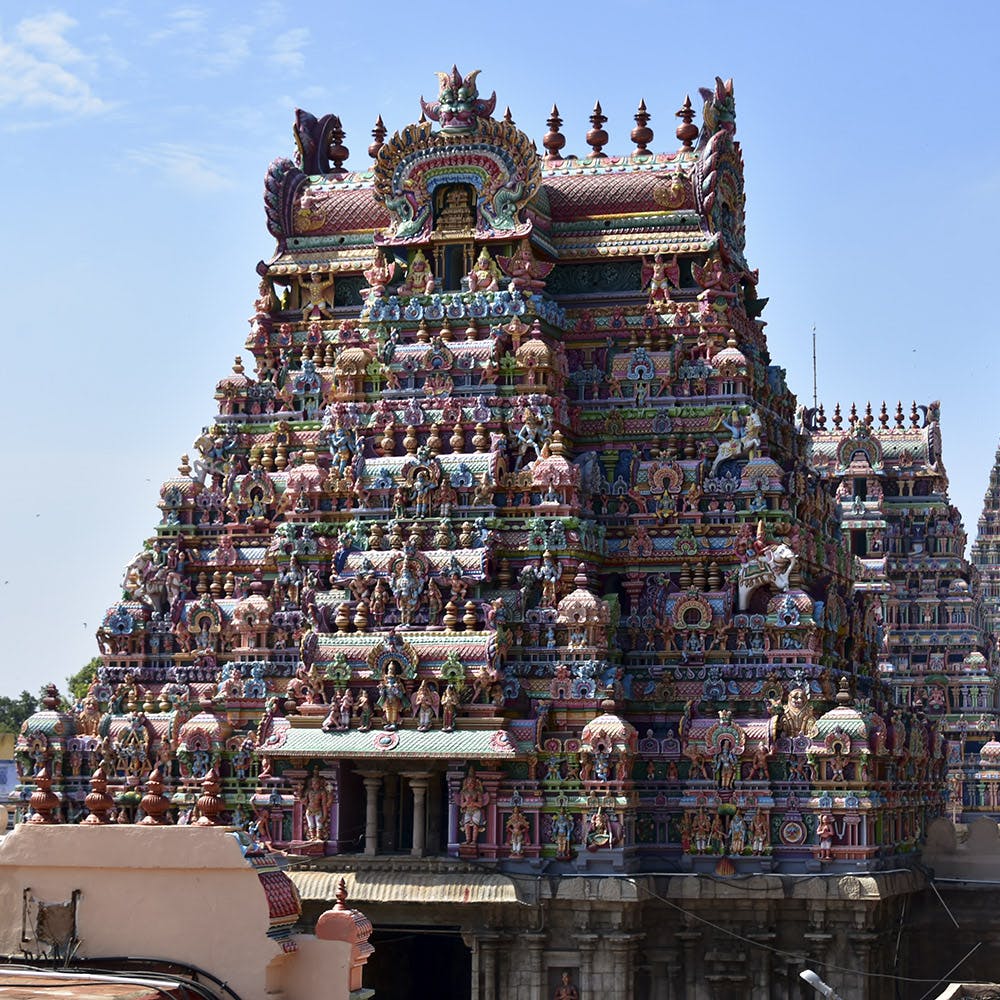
[183,893]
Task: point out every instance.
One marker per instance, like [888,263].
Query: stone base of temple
[648,937]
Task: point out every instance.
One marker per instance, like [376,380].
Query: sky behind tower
[134,138]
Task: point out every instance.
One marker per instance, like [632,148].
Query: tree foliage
[78,683]
[13,711]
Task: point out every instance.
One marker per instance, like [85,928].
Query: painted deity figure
[549,572]
[760,832]
[364,711]
[517,829]
[701,829]
[797,718]
[392,698]
[737,834]
[745,441]
[425,706]
[472,802]
[824,836]
[661,274]
[599,835]
[760,766]
[407,585]
[449,708]
[531,437]
[419,278]
[484,276]
[341,710]
[726,764]
[562,834]
[316,801]
[317,292]
[379,275]
[566,989]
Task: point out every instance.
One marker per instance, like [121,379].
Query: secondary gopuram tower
[908,546]
[504,555]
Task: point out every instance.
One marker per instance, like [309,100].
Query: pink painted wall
[172,892]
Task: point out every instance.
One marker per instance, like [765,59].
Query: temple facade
[908,545]
[985,553]
[506,556]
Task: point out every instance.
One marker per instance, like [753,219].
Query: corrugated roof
[478,744]
[406,887]
[29,984]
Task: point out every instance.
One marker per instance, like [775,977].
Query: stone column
[390,812]
[585,945]
[664,966]
[535,943]
[488,953]
[418,785]
[373,780]
[472,943]
[689,940]
[863,943]
[454,779]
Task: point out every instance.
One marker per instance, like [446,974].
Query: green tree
[77,684]
[13,711]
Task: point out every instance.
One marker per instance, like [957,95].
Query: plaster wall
[182,893]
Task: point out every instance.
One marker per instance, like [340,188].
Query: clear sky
[134,137]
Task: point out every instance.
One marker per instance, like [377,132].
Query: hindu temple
[985,554]
[908,544]
[508,582]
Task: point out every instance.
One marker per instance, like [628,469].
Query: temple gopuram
[508,584]
[908,544]
[985,555]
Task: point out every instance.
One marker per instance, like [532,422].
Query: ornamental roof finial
[597,138]
[642,134]
[507,116]
[554,140]
[686,132]
[338,152]
[378,134]
[459,105]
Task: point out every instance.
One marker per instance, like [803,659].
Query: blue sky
[134,139]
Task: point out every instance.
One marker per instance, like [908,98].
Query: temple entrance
[411,963]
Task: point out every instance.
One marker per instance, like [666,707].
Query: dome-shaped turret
[609,731]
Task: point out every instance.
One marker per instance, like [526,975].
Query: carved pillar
[585,945]
[622,956]
[535,943]
[863,942]
[332,775]
[689,940]
[762,966]
[418,785]
[664,967]
[454,779]
[472,943]
[488,952]
[373,780]
[390,812]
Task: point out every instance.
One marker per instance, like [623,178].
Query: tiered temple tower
[985,555]
[506,548]
[908,545]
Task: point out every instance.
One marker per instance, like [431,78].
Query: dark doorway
[410,964]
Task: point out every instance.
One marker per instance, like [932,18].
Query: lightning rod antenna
[815,404]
